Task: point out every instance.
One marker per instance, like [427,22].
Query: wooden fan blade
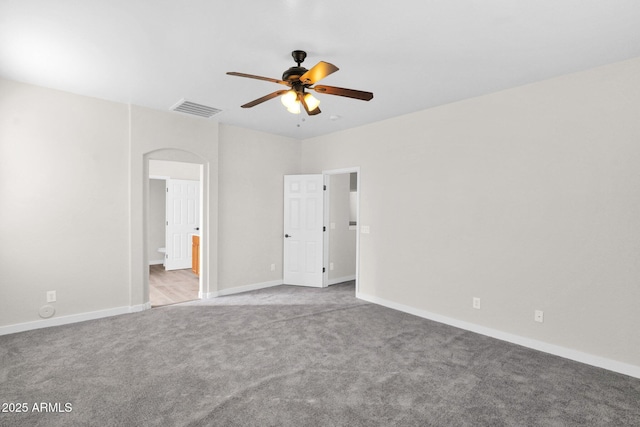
[306,107]
[318,72]
[349,93]
[251,76]
[264,98]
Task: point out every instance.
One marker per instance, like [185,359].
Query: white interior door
[303,228]
[183,220]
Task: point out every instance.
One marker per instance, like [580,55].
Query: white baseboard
[240,289]
[567,353]
[341,280]
[156,262]
[140,307]
[74,318]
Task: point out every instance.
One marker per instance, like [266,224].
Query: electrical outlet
[476,303]
[273,267]
[365,229]
[51,296]
[333,225]
[538,316]
[330,266]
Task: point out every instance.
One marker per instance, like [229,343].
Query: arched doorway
[177,157]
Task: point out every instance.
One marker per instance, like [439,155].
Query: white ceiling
[412,54]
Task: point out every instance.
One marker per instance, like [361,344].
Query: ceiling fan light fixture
[298,79]
[294,108]
[312,101]
[289,99]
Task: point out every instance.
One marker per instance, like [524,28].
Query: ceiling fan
[299,79]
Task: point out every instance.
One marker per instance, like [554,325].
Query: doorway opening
[342,216]
[173,231]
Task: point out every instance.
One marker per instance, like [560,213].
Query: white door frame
[327,174]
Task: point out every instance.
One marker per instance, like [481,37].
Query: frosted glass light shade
[311,101]
[294,108]
[289,98]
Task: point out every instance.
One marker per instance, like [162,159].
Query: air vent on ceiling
[192,108]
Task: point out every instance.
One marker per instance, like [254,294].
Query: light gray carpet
[289,356]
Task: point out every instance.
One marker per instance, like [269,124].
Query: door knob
[287,235]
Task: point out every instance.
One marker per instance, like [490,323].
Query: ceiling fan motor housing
[293,74]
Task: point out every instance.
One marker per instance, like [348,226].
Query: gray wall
[527,198]
[252,166]
[174,170]
[64,192]
[157,219]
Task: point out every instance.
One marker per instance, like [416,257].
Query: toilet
[163,251]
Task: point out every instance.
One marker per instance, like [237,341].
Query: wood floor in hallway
[171,287]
